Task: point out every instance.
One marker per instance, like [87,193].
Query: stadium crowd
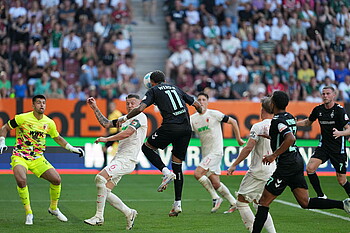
[233,49]
[66,49]
[246,49]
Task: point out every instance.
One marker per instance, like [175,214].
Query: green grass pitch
[139,192]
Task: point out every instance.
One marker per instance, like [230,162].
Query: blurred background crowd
[233,49]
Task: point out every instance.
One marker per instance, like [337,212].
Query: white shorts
[211,163]
[251,188]
[119,167]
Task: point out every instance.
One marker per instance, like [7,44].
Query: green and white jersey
[130,147]
[208,127]
[31,134]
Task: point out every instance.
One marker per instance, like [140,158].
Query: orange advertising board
[76,119]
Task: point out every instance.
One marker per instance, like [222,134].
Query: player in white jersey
[255,179]
[207,126]
[130,140]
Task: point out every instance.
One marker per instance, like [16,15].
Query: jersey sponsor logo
[320,114]
[204,128]
[327,122]
[36,134]
[179,112]
[154,136]
[281,127]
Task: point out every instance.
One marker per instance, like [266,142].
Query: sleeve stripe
[12,123]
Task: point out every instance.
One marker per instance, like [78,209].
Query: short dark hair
[203,94]
[38,97]
[157,76]
[280,99]
[329,87]
[266,104]
[136,96]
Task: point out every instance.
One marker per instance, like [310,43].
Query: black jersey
[171,102]
[282,124]
[328,119]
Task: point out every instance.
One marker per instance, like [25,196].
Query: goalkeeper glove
[3,146]
[76,150]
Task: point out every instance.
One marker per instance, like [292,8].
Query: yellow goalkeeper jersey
[31,135]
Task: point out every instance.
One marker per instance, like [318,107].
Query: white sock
[223,190]
[165,171]
[204,180]
[269,226]
[177,203]
[117,203]
[101,195]
[246,215]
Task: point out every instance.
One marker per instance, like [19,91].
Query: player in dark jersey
[334,124]
[175,129]
[290,166]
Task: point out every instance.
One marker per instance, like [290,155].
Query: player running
[175,129]
[255,179]
[333,120]
[207,125]
[28,154]
[130,140]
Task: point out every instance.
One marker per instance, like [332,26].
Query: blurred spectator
[299,43]
[305,73]
[35,11]
[206,9]
[260,29]
[107,85]
[77,93]
[343,16]
[306,14]
[84,9]
[246,15]
[332,30]
[49,3]
[17,10]
[315,97]
[56,41]
[41,55]
[57,74]
[122,45]
[267,46]
[201,60]
[275,86]
[203,82]
[126,74]
[66,12]
[71,45]
[4,56]
[180,61]
[256,86]
[312,86]
[20,29]
[251,57]
[237,69]
[107,55]
[102,9]
[285,59]
[211,30]
[34,74]
[35,29]
[298,29]
[228,26]
[5,85]
[230,44]
[324,71]
[344,89]
[84,26]
[239,87]
[192,15]
[277,31]
[177,39]
[176,17]
[217,61]
[341,72]
[20,88]
[337,50]
[42,85]
[102,27]
[89,74]
[328,82]
[54,92]
[88,52]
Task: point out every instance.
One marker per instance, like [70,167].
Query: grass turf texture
[139,192]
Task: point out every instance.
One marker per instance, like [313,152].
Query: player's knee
[242,204]
[100,181]
[197,174]
[216,185]
[21,183]
[56,181]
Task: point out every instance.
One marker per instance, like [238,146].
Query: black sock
[315,182]
[179,181]
[153,157]
[346,186]
[319,203]
[260,218]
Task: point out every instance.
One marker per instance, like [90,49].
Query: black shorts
[280,179]
[177,134]
[338,161]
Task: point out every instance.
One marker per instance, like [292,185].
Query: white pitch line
[313,210]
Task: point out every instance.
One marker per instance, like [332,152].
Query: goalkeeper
[28,154]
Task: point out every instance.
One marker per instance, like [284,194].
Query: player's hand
[336,133]
[91,102]
[3,146]
[230,170]
[241,142]
[268,159]
[101,139]
[79,151]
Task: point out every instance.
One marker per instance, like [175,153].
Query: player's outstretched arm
[3,132]
[136,111]
[235,127]
[345,132]
[99,116]
[242,156]
[198,106]
[117,137]
[62,142]
[305,122]
[288,141]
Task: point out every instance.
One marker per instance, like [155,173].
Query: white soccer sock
[101,195]
[177,203]
[246,215]
[225,192]
[204,180]
[269,226]
[165,171]
[117,203]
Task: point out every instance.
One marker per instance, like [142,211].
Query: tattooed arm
[100,117]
